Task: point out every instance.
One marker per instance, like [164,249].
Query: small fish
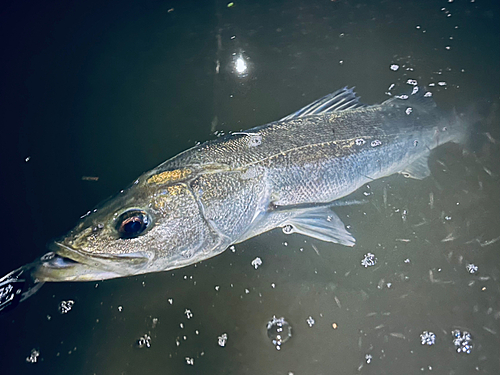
[288,174]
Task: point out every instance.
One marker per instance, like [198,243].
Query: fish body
[283,174]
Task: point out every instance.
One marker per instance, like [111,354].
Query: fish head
[151,226]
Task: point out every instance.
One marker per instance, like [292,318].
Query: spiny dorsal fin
[340,100]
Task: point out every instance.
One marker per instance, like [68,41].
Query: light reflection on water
[148,82]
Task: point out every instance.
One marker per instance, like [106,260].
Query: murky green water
[111,89]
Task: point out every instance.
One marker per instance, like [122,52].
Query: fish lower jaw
[79,272]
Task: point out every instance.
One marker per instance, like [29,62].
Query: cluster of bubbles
[279,331]
[144,341]
[368,260]
[66,306]
[428,338]
[462,341]
[33,358]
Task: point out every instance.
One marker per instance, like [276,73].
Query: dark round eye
[132,223]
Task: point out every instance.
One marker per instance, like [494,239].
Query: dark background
[111,89]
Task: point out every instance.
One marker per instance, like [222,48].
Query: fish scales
[317,158]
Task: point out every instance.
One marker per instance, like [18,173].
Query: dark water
[111,89]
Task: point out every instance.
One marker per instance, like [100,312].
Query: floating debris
[487,243]
[256,262]
[427,338]
[144,341]
[66,306]
[462,341]
[279,331]
[398,335]
[369,260]
[33,358]
[222,340]
[90,178]
[471,268]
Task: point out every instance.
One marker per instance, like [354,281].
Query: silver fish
[284,174]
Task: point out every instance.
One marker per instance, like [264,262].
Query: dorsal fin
[340,100]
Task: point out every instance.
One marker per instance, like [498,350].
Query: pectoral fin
[419,169]
[320,223]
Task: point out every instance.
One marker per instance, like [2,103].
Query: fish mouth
[64,263]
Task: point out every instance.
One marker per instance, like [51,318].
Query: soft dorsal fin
[340,100]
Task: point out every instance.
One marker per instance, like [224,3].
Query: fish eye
[132,223]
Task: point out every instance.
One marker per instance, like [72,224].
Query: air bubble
[256,262]
[222,340]
[279,331]
[471,268]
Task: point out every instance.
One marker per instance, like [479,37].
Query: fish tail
[472,124]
